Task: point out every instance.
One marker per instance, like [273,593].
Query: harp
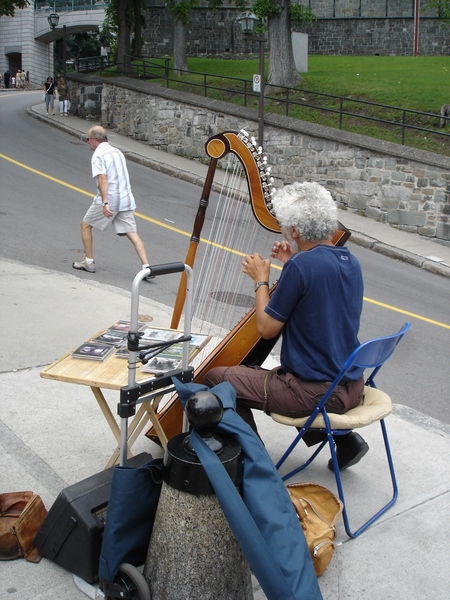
[243,222]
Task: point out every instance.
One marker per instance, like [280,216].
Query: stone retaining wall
[407,188]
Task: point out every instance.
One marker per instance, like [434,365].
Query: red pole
[416,26]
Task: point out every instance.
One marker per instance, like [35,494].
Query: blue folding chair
[375,407]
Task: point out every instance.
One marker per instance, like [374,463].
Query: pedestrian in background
[114,202]
[64,101]
[49,89]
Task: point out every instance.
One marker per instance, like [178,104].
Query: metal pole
[416,27]
[64,51]
[261,91]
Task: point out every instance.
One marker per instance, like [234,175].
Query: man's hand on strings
[281,251]
[256,267]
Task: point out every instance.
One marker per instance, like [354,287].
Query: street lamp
[53,20]
[247,22]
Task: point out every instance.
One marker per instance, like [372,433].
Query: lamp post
[247,22]
[53,20]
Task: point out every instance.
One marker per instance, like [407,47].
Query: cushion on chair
[375,406]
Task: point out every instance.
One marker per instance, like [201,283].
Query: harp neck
[256,171]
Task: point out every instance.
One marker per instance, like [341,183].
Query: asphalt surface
[53,434]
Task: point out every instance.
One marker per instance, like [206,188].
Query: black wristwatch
[258,284]
[105,203]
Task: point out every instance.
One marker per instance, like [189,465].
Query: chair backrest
[373,353]
[369,355]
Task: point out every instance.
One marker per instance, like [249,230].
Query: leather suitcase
[71,533]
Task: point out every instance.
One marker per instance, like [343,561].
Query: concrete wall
[407,188]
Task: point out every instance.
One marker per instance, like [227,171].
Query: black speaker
[71,533]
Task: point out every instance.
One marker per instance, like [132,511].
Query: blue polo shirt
[319,297]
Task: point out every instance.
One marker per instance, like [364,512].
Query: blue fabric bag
[132,505]
[263,520]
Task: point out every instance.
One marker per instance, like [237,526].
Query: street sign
[256,83]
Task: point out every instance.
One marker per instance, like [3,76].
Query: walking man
[114,202]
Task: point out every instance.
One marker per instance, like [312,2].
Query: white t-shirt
[110,161]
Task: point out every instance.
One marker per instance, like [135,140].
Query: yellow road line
[72,187]
[407,313]
[181,232]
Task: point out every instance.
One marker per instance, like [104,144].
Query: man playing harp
[317,307]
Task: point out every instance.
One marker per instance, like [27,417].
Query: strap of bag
[250,539]
[297,505]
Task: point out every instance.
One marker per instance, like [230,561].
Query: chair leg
[302,466]
[354,534]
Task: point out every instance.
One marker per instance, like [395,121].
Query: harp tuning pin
[268,170]
[271,180]
[253,140]
[260,150]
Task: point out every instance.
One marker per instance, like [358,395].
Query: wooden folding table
[112,374]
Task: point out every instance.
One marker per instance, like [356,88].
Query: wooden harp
[242,345]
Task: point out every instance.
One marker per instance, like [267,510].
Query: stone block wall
[86,98]
[346,27]
[401,186]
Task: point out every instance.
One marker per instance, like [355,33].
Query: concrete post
[193,552]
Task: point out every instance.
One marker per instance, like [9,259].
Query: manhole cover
[145,318]
[243,300]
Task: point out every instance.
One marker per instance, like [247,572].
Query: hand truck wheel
[129,584]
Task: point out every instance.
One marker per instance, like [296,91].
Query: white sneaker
[82,265]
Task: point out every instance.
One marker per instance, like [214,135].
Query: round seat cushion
[375,405]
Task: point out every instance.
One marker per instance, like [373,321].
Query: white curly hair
[308,207]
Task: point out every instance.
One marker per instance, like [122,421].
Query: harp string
[223,293]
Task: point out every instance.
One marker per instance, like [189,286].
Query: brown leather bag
[318,510]
[21,515]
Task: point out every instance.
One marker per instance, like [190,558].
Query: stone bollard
[193,553]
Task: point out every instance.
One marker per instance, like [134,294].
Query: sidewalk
[53,434]
[401,245]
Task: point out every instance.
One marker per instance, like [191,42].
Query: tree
[123,17]
[180,11]
[280,14]
[442,7]
[8,7]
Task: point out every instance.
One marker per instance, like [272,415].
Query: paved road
[40,226]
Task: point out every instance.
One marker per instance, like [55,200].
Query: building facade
[27,40]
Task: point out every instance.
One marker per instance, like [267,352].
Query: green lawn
[419,83]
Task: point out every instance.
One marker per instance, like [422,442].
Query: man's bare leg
[86,238]
[138,246]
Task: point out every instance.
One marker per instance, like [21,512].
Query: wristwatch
[258,284]
[105,203]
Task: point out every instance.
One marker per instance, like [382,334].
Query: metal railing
[59,6]
[93,63]
[297,103]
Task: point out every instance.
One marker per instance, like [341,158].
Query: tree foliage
[8,7]
[442,8]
